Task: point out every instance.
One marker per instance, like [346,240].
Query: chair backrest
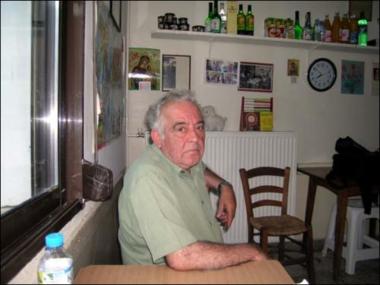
[251,202]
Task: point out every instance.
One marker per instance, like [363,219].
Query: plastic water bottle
[56,266]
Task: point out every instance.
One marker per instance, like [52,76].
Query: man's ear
[156,138]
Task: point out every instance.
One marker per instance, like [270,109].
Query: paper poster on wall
[221,71]
[144,69]
[352,77]
[375,79]
[109,77]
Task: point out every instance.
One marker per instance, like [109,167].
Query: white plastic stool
[355,237]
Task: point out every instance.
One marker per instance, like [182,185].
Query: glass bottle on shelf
[363,33]
[223,16]
[216,21]
[335,29]
[354,29]
[317,30]
[289,28]
[344,34]
[249,19]
[328,29]
[208,18]
[308,30]
[240,21]
[297,27]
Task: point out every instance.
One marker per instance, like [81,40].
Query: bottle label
[56,271]
[328,36]
[215,25]
[307,34]
[240,23]
[353,37]
[344,35]
[249,23]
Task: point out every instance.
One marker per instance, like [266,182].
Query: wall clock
[321,74]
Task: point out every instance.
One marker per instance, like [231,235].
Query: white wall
[317,118]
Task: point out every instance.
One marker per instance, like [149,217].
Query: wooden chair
[282,225]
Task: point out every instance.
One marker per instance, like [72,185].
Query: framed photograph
[115,10]
[176,72]
[352,77]
[358,6]
[220,71]
[256,77]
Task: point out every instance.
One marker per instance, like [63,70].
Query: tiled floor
[366,271]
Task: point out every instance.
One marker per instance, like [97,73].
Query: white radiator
[227,152]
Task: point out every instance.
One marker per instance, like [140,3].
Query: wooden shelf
[210,37]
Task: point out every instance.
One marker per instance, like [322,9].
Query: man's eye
[200,127]
[180,129]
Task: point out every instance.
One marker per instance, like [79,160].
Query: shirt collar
[175,167]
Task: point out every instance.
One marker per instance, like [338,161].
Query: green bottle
[241,21]
[363,34]
[298,31]
[216,21]
[208,18]
[249,20]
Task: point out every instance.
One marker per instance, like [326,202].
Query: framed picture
[144,69]
[176,72]
[352,77]
[115,10]
[358,6]
[256,77]
[293,67]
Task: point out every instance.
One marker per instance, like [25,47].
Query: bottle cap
[54,240]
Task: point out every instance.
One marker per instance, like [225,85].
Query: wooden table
[260,272]
[318,178]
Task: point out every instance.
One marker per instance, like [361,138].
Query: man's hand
[227,201]
[226,206]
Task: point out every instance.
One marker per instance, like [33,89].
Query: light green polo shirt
[163,209]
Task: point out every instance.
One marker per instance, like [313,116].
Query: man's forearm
[212,179]
[207,255]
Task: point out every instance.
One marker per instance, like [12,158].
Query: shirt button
[202,202]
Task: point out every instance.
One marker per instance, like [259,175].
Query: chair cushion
[279,225]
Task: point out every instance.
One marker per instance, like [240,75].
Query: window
[41,124]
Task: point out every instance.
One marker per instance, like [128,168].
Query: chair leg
[310,256]
[264,241]
[281,248]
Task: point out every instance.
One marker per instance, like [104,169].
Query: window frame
[25,226]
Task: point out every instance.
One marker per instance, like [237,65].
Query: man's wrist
[220,186]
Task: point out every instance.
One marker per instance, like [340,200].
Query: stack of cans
[170,22]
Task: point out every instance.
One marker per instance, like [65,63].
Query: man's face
[183,134]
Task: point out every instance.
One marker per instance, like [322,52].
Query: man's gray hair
[152,117]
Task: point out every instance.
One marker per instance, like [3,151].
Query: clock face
[321,74]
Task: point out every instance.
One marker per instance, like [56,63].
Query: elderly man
[164,208]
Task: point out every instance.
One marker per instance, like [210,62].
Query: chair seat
[279,225]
